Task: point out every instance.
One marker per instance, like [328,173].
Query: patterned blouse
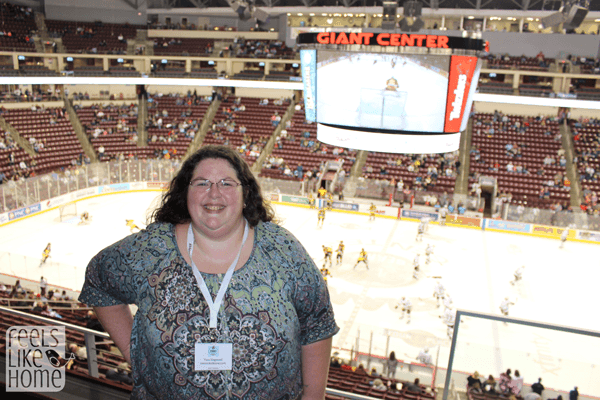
[275,304]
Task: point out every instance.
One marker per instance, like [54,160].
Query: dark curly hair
[174,208]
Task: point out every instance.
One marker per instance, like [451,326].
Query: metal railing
[14,195]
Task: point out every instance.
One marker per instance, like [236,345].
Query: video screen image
[382,91]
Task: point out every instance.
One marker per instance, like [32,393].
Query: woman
[489,386]
[263,330]
[392,363]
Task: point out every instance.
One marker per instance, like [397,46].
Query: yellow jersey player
[362,257]
[46,253]
[329,201]
[340,253]
[325,272]
[321,217]
[132,225]
[85,218]
[372,211]
[311,201]
[327,251]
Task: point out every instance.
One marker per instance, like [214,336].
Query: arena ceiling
[521,5]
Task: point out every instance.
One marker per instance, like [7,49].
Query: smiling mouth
[214,208]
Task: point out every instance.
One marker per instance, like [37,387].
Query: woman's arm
[118,322]
[315,367]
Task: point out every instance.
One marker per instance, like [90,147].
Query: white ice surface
[559,286]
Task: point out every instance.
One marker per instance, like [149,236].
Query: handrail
[89,335]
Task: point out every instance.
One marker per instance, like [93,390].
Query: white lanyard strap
[214,306]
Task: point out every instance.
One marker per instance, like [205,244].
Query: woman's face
[215,212]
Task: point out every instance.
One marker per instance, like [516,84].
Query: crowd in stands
[57,304]
[525,154]
[358,380]
[93,37]
[260,49]
[505,61]
[507,386]
[18,28]
[420,172]
[586,140]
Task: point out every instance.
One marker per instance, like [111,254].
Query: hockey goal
[68,211]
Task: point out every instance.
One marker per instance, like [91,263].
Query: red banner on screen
[462,69]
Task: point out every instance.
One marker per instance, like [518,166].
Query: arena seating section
[18,24]
[415,178]
[116,142]
[535,145]
[182,47]
[256,119]
[175,116]
[294,154]
[587,149]
[522,63]
[80,42]
[61,145]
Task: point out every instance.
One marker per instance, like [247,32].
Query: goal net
[68,211]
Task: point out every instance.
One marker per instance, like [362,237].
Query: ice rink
[558,285]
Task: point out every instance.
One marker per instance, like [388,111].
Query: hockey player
[325,272]
[46,253]
[563,237]
[362,258]
[448,318]
[505,305]
[406,307]
[327,251]
[428,253]
[443,213]
[420,231]
[85,218]
[518,275]
[329,201]
[340,253]
[424,356]
[439,292]
[311,201]
[372,211]
[447,302]
[132,225]
[321,217]
[416,266]
[425,222]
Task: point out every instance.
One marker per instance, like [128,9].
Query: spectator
[473,380]
[414,387]
[378,384]
[505,380]
[517,383]
[489,386]
[392,363]
[574,394]
[120,374]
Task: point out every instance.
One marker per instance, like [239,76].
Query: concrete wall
[109,11]
[519,109]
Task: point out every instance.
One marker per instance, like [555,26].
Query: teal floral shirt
[275,304]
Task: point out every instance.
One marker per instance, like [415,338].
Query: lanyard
[213,306]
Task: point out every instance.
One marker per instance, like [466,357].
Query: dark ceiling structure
[517,5]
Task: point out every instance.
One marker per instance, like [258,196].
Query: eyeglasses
[224,185]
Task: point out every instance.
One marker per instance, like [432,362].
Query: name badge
[213,356]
